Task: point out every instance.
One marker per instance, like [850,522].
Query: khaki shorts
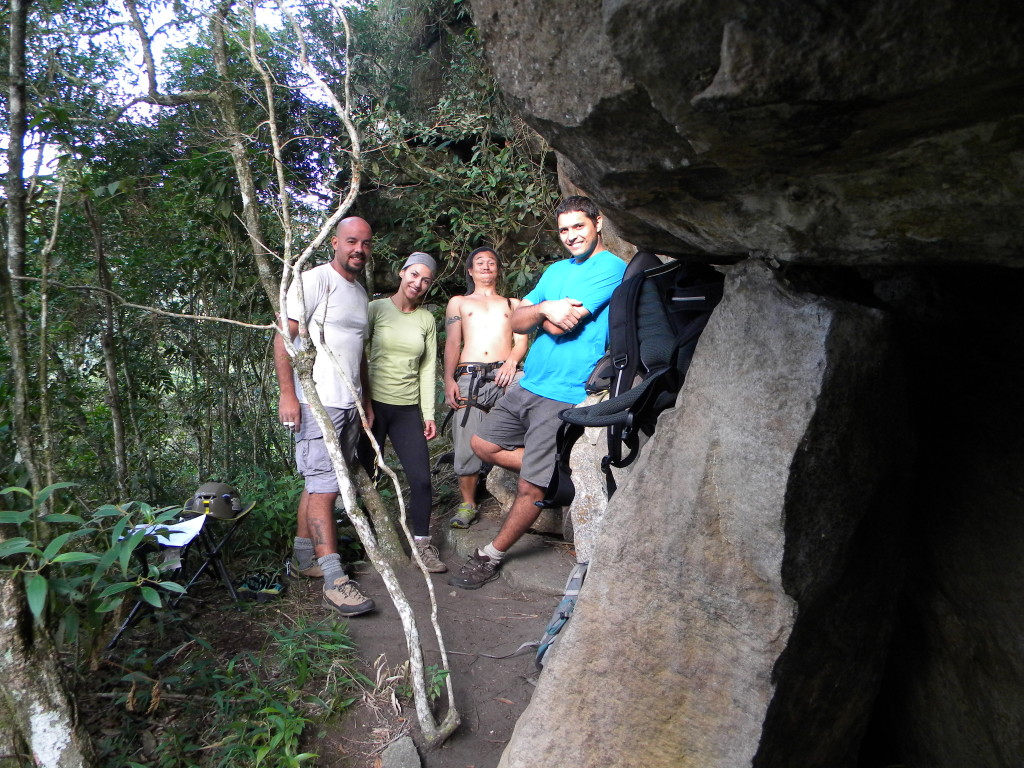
[524,420]
[311,457]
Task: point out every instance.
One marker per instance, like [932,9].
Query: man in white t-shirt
[334,306]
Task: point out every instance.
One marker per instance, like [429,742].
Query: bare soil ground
[490,694]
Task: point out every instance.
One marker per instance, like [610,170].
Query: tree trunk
[110,355]
[14,264]
[37,721]
[225,101]
[383,520]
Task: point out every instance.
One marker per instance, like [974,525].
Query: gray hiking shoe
[430,557]
[345,598]
[477,571]
[314,571]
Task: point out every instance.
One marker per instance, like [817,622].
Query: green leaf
[172,586]
[35,590]
[109,605]
[76,557]
[17,546]
[15,517]
[151,596]
[58,517]
[106,560]
[71,624]
[54,546]
[15,489]
[128,546]
[44,494]
[116,589]
[118,530]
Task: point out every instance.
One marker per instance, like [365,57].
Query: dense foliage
[150,205]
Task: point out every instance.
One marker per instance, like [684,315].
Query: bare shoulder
[454,306]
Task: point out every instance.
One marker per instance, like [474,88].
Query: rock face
[728,613]
[741,595]
[828,133]
[590,503]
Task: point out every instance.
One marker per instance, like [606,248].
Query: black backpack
[655,319]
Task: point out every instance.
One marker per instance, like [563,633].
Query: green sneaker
[464,516]
[260,587]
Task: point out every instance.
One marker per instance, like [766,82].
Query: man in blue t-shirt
[569,310]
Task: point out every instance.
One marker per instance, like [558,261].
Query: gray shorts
[524,420]
[311,457]
[466,422]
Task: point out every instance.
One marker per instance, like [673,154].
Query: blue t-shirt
[557,367]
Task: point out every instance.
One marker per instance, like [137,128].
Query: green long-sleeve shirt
[401,354]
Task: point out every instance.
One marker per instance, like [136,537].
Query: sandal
[464,516]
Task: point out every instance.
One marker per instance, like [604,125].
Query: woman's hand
[429,430]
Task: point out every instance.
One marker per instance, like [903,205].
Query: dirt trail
[490,693]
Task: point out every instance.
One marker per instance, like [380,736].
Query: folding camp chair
[208,522]
[221,502]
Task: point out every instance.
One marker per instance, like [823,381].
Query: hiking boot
[430,557]
[464,515]
[344,597]
[314,571]
[477,571]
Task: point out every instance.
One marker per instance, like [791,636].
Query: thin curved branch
[145,308]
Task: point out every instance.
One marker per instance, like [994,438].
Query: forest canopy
[150,190]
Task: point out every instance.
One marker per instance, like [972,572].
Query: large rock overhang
[881,133]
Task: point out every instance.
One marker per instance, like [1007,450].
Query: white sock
[492,553]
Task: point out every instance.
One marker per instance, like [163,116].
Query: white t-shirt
[339,308]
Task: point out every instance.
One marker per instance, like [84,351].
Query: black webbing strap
[480,373]
[561,490]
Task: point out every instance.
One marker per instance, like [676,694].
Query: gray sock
[303,551]
[331,566]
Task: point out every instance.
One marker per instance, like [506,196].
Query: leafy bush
[266,537]
[74,588]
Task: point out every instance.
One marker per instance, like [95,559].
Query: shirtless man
[481,358]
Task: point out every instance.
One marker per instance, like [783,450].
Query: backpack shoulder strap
[623,344]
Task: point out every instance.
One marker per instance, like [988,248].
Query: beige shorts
[311,457]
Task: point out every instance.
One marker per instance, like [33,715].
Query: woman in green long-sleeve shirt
[401,357]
